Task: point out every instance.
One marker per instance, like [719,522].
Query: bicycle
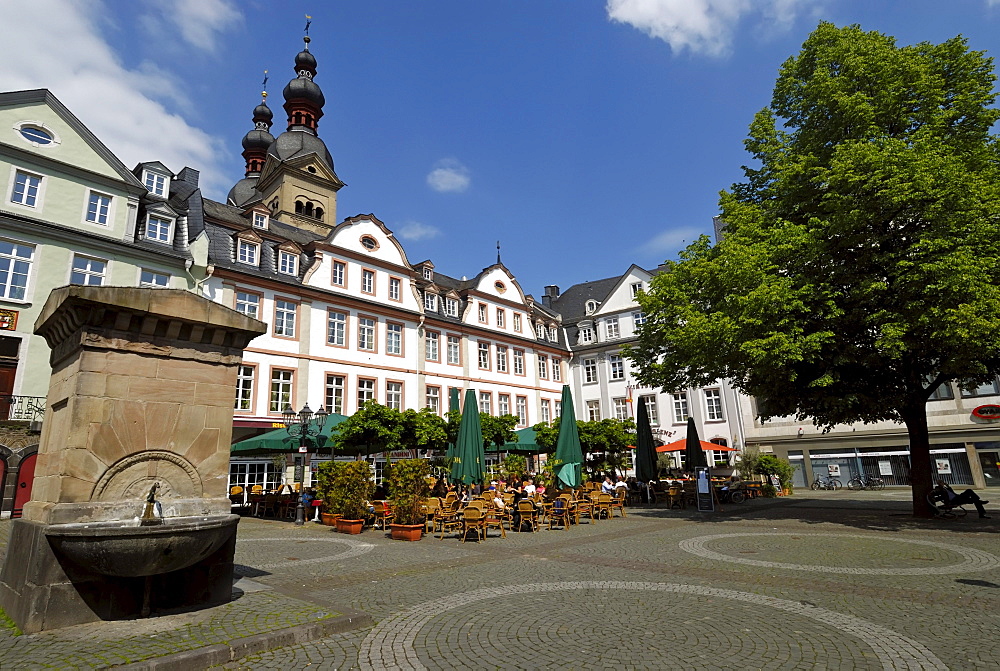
[859,482]
[827,483]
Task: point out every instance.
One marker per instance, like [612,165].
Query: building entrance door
[25,478]
[7,375]
[990,462]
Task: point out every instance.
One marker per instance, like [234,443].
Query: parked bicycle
[827,483]
[859,482]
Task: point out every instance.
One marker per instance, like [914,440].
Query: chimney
[551,294]
[188,176]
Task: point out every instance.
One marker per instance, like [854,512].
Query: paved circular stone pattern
[354,549]
[646,619]
[974,560]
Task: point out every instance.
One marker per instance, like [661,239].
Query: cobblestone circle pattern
[393,643]
[974,560]
[355,548]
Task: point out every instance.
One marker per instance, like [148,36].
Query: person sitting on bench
[947,495]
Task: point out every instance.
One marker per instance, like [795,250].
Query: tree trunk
[915,418]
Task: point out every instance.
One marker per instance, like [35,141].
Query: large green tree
[860,264]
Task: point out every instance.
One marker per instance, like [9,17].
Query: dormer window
[540,331]
[155,183]
[586,334]
[158,228]
[260,220]
[591,307]
[553,334]
[430,302]
[247,252]
[288,263]
[451,307]
[428,273]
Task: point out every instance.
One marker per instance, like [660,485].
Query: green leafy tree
[859,267]
[609,438]
[408,489]
[373,428]
[547,434]
[423,430]
[497,430]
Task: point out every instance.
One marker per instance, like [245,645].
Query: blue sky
[585,135]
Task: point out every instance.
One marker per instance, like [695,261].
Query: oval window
[35,134]
[369,243]
[500,286]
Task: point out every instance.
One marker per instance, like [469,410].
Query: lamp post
[303,427]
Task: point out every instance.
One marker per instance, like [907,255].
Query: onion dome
[256,142]
[244,192]
[303,98]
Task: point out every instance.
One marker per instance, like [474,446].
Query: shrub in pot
[408,489]
[345,487]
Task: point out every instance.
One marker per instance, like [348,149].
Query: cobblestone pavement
[820,580]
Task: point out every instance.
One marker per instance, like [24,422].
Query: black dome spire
[304,99]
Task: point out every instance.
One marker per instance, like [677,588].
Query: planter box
[329,519]
[349,526]
[406,532]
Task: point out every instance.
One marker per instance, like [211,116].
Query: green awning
[524,443]
[280,441]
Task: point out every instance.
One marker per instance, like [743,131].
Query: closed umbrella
[452,406]
[467,467]
[694,454]
[568,449]
[645,455]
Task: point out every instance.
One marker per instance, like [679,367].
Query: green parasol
[467,467]
[645,451]
[568,449]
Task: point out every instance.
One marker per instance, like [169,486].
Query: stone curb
[214,655]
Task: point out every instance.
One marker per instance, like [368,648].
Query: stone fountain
[129,512]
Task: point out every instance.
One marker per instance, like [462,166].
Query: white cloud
[414,230]
[198,22]
[668,243]
[125,107]
[701,26]
[449,175]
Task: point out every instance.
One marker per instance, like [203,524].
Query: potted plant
[407,490]
[345,487]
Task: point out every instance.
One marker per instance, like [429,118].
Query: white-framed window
[15,268]
[680,403]
[158,228]
[288,263]
[590,370]
[557,409]
[98,208]
[244,388]
[652,411]
[557,370]
[37,134]
[638,319]
[617,365]
[260,220]
[636,288]
[335,393]
[248,304]
[247,252]
[519,362]
[503,404]
[484,355]
[613,331]
[367,281]
[543,366]
[432,341]
[517,321]
[284,318]
[620,406]
[88,271]
[540,331]
[27,189]
[586,334]
[281,389]
[155,183]
[336,328]
[433,401]
[394,288]
[394,395]
[430,302]
[393,338]
[521,406]
[366,391]
[451,307]
[338,275]
[501,358]
[153,279]
[366,333]
[594,411]
[482,313]
[546,410]
[454,350]
[428,273]
[486,402]
[553,334]
[713,404]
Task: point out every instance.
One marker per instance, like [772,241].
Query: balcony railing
[22,408]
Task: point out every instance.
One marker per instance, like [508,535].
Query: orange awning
[679,445]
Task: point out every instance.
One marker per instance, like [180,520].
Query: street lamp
[303,427]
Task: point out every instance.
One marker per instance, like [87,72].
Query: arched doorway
[25,478]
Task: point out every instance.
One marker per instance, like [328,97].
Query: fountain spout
[149,517]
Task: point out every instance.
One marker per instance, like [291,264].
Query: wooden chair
[618,501]
[675,497]
[383,515]
[584,506]
[431,508]
[527,513]
[560,512]
[267,503]
[603,506]
[473,519]
[495,518]
[257,489]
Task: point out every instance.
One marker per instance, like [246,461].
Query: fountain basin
[127,550]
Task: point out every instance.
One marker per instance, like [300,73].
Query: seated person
[380,493]
[943,492]
[607,487]
[529,487]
